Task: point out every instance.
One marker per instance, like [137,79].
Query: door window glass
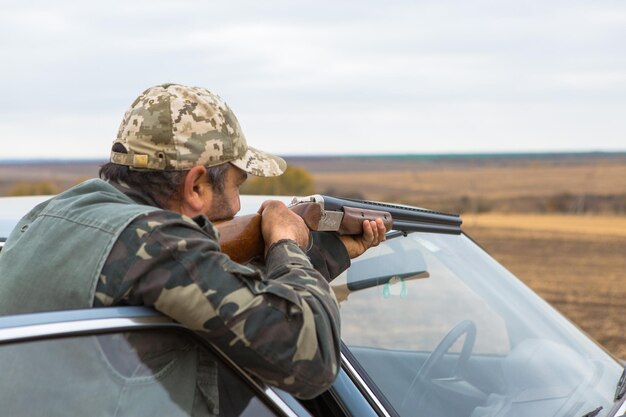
[143,373]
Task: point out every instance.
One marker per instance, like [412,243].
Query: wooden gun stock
[241,238]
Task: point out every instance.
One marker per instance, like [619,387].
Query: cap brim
[261,164]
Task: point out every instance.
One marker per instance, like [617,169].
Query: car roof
[13,208]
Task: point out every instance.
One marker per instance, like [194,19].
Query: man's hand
[373,234]
[278,222]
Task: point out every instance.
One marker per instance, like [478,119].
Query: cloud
[334,74]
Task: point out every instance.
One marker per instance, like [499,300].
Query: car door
[125,361]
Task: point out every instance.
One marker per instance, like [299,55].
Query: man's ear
[197,193]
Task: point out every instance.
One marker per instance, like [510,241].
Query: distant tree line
[561,203]
[24,188]
[295,181]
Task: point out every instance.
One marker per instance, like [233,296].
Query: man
[144,236]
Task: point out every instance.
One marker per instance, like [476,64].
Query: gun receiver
[342,219]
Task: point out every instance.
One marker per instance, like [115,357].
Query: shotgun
[241,237]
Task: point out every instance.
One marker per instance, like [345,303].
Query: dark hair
[217,176]
[161,186]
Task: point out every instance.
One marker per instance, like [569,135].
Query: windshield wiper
[593,413]
[621,386]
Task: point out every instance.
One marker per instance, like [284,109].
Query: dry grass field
[558,223]
[577,263]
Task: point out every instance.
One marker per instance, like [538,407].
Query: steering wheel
[465,327]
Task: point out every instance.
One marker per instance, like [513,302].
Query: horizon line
[367,156]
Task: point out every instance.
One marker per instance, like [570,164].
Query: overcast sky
[322,77]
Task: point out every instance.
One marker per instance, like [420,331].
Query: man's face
[224,205]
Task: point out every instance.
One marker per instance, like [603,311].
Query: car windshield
[442,329]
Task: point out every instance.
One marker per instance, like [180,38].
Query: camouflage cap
[176,127]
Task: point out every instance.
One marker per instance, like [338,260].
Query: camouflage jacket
[281,324]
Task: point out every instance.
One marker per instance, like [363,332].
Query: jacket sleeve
[328,254]
[281,325]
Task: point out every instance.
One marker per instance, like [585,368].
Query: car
[431,326]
